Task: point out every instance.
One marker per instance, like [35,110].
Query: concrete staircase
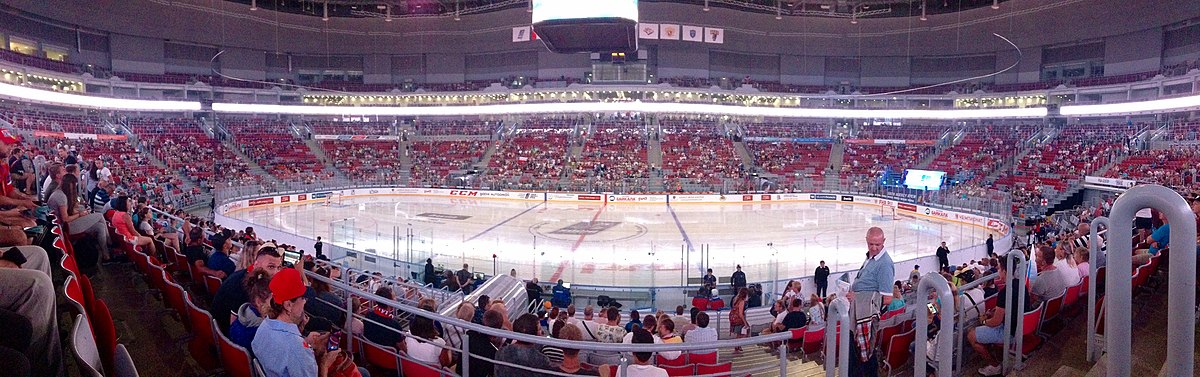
[319,152]
[255,169]
[406,163]
[484,160]
[837,157]
[654,156]
[574,151]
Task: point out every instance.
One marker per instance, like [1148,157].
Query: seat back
[1032,319]
[990,302]
[702,358]
[258,369]
[679,370]
[1083,286]
[380,356]
[84,346]
[1053,307]
[898,353]
[1072,295]
[89,296]
[411,368]
[74,295]
[175,298]
[106,334]
[123,365]
[813,340]
[235,359]
[725,368]
[212,284]
[662,361]
[885,335]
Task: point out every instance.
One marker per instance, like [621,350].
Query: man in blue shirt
[871,291]
[1159,240]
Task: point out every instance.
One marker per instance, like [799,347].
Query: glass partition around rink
[650,254]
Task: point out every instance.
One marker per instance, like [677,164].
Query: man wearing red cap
[280,348]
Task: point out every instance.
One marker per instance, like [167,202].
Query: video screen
[924,179]
[544,10]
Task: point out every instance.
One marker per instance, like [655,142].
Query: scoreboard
[573,26]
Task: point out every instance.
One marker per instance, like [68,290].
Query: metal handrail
[962,314]
[839,309]
[1093,267]
[935,282]
[1181,301]
[1017,263]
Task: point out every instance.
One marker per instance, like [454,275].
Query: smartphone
[932,308]
[334,340]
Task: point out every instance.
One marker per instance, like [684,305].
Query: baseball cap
[8,137]
[286,285]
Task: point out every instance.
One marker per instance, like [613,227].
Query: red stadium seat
[234,359]
[897,353]
[715,369]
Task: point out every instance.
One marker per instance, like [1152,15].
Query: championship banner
[648,31]
[714,35]
[693,33]
[668,31]
[522,34]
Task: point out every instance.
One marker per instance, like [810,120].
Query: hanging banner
[648,31]
[668,31]
[714,35]
[693,33]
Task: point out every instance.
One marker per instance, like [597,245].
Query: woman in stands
[123,223]
[252,313]
[325,303]
[737,317]
[64,202]
[424,344]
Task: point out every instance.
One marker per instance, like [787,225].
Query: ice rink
[613,244]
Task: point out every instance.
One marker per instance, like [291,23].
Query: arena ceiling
[786,8]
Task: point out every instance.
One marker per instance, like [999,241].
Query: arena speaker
[574,26]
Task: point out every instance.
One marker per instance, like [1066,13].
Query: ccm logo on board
[464,193]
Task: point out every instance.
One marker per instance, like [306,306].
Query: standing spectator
[451,281]
[822,279]
[914,276]
[738,327]
[871,290]
[521,352]
[533,292]
[738,280]
[991,246]
[709,280]
[429,277]
[319,248]
[560,294]
[466,280]
[943,255]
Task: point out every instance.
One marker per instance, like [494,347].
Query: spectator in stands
[29,292]
[869,290]
[219,260]
[483,347]
[278,345]
[554,354]
[381,326]
[521,352]
[64,204]
[466,279]
[21,171]
[709,281]
[54,174]
[738,326]
[99,197]
[1051,282]
[232,293]
[123,222]
[322,302]
[196,254]
[481,307]
[429,277]
[816,311]
[251,314]
[897,298]
[693,313]
[1159,239]
[570,363]
[320,246]
[634,320]
[424,344]
[533,292]
[454,334]
[451,281]
[1082,258]
[991,330]
[1064,261]
[642,366]
[680,319]
[821,277]
[702,333]
[610,332]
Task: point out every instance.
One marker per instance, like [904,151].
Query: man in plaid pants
[871,290]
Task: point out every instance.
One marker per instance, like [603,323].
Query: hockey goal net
[887,212]
[333,199]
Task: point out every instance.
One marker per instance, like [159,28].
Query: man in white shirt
[642,366]
[702,333]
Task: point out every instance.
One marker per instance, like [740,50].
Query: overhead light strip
[1132,107]
[639,107]
[76,100]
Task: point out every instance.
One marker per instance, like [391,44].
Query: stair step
[1138,367]
[1066,371]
